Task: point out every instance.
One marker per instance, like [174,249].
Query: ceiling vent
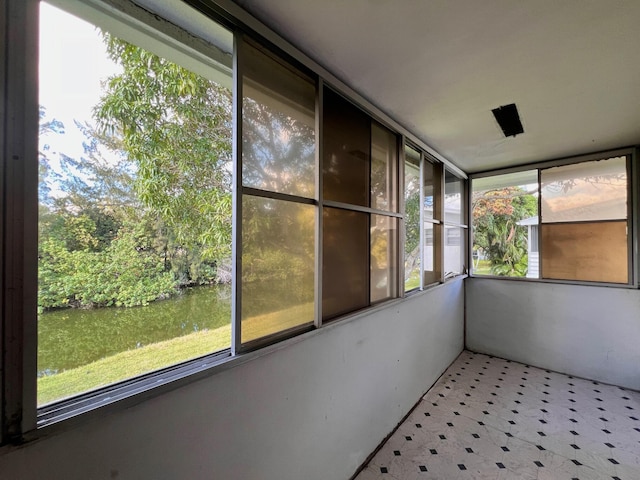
[508,119]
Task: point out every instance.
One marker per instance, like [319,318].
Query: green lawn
[483,268]
[412,282]
[155,356]
[132,363]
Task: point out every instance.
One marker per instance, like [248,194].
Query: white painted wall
[314,409]
[591,332]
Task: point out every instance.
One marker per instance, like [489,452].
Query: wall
[590,332]
[314,409]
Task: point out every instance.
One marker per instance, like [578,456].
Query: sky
[73,62]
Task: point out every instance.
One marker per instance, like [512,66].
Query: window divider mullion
[319,208]
[236,290]
[421,234]
[632,218]
[402,228]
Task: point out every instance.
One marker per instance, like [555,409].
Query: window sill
[557,282]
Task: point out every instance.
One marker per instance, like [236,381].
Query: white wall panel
[313,409]
[587,331]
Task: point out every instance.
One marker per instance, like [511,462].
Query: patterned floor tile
[490,418]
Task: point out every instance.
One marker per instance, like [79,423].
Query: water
[71,338]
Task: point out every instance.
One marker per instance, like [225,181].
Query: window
[277,264]
[505,224]
[431,216]
[581,232]
[412,250]
[583,221]
[134,206]
[360,207]
[434,221]
[454,225]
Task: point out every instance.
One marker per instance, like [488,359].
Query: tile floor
[489,418]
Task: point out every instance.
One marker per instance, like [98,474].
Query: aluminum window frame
[369,211]
[633,212]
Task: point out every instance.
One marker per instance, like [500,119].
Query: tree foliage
[147,207]
[496,214]
[175,126]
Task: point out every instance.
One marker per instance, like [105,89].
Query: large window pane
[454,242]
[505,225]
[431,191]
[345,269]
[278,129]
[135,206]
[431,264]
[346,155]
[412,219]
[579,242]
[585,191]
[589,251]
[384,169]
[453,208]
[384,257]
[278,259]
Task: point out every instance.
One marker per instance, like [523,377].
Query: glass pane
[278,258]
[592,251]
[345,269]
[411,219]
[453,208]
[347,143]
[135,207]
[431,191]
[505,224]
[431,258]
[453,250]
[585,191]
[384,169]
[278,127]
[384,254]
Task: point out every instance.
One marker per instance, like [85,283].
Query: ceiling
[439,67]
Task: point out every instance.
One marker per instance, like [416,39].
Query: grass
[159,355]
[412,282]
[483,268]
[131,363]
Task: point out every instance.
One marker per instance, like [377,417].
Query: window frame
[633,213]
[438,220]
[368,210]
[20,418]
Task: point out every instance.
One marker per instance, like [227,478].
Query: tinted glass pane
[431,190]
[384,254]
[505,222]
[384,168]
[135,207]
[454,242]
[345,269]
[277,266]
[346,158]
[412,219]
[592,251]
[585,191]
[278,129]
[453,207]
[431,257]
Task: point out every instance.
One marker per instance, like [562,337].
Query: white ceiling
[439,67]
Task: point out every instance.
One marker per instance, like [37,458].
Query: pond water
[71,337]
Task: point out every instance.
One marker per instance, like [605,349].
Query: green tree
[496,214]
[175,126]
